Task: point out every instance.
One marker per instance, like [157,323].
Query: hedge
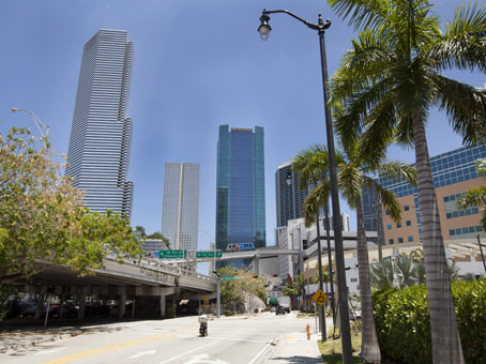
[403,322]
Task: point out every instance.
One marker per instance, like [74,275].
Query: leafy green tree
[353,167]
[141,231]
[159,236]
[41,216]
[234,291]
[476,196]
[295,287]
[387,82]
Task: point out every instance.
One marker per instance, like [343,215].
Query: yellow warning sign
[319,297]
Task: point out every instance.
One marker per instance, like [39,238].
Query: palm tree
[353,167]
[387,84]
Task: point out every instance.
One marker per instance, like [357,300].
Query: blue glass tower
[240,183]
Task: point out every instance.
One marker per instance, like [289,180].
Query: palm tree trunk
[446,344]
[370,349]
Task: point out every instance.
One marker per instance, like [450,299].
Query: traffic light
[304,244]
[274,275]
[255,276]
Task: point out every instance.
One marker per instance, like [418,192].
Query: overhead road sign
[172,254]
[209,254]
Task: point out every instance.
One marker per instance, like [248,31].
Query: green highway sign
[227,278]
[209,254]
[172,254]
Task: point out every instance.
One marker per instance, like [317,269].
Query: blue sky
[198,64]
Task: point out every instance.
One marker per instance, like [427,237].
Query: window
[391,242]
[399,226]
[400,240]
[410,238]
[389,226]
[406,207]
[408,223]
[387,212]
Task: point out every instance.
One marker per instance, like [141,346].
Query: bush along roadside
[403,322]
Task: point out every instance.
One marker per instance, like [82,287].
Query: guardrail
[159,266]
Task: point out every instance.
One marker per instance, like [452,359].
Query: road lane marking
[188,352]
[109,348]
[260,353]
[142,353]
[204,359]
[44,352]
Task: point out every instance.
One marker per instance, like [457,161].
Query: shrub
[228,313]
[403,322]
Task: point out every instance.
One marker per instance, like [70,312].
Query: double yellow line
[110,348]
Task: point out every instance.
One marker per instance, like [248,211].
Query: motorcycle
[203,325]
[203,329]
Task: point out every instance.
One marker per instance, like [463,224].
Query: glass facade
[240,195]
[448,170]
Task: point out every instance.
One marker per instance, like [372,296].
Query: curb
[36,341]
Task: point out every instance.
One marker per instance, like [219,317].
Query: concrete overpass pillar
[257,264]
[123,301]
[163,305]
[82,294]
[41,294]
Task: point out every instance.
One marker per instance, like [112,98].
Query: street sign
[172,254]
[319,297]
[227,278]
[209,254]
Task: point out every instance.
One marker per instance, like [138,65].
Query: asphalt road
[232,340]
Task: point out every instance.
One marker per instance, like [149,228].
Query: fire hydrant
[307,328]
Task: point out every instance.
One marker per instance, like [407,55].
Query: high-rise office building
[99,147]
[454,174]
[240,201]
[289,196]
[181,205]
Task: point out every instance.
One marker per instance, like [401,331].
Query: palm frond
[361,13]
[466,107]
[318,197]
[312,165]
[399,170]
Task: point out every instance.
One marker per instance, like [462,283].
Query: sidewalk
[295,348]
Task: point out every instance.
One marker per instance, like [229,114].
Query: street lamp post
[264,30]
[39,124]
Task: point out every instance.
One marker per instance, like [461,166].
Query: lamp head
[264,28]
[14,109]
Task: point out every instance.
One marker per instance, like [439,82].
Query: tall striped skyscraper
[181,205]
[99,147]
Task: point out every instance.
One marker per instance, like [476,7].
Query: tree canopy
[42,217]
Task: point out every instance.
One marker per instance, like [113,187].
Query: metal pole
[321,287]
[333,299]
[301,266]
[218,296]
[481,249]
[378,227]
[338,237]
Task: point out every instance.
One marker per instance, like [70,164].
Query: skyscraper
[240,200]
[181,205]
[99,147]
[288,195]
